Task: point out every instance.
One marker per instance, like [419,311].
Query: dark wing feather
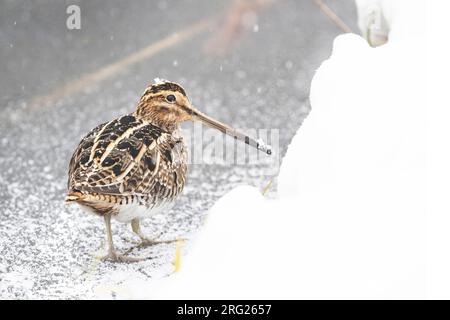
[127,156]
[81,155]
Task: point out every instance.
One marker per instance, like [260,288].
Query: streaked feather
[127,160]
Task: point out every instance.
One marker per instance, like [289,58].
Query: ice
[159,81]
[352,218]
[263,146]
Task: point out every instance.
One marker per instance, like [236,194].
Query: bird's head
[166,105]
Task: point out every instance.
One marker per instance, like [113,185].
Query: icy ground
[47,248]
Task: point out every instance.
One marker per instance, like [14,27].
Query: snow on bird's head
[159,81]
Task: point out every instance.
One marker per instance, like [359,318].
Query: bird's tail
[73,196]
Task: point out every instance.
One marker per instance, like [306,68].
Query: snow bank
[397,20]
[352,218]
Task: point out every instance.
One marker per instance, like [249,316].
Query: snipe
[135,166]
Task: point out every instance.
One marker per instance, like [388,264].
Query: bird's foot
[145,242]
[117,257]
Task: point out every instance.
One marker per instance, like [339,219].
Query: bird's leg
[145,242]
[112,254]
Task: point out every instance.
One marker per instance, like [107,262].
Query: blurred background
[248,63]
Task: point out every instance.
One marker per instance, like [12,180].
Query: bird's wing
[122,156]
[81,156]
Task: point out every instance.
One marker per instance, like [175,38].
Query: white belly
[128,212]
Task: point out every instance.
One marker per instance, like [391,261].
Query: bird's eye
[171,98]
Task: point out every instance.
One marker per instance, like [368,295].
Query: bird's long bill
[260,145]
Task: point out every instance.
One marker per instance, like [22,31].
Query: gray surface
[46,247]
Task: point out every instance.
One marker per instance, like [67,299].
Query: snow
[159,81]
[263,146]
[358,210]
[400,18]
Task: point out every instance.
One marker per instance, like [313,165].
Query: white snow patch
[159,81]
[359,209]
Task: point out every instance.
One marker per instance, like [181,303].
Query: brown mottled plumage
[135,166]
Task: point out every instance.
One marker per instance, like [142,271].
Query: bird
[135,166]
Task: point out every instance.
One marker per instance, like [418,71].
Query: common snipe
[135,166]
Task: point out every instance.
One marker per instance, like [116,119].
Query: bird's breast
[127,212]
